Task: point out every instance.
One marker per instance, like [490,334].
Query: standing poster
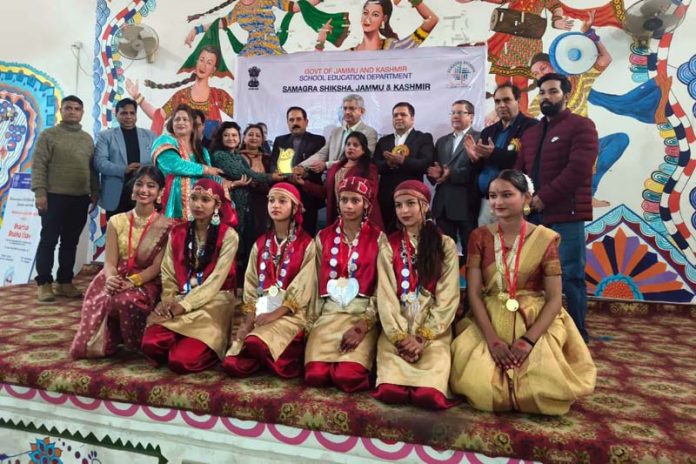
[20,232]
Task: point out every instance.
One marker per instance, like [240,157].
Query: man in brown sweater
[64,184]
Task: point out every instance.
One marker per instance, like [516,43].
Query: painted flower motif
[45,452]
[622,267]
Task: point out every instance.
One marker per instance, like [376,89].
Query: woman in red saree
[122,295]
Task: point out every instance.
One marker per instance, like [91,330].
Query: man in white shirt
[332,152]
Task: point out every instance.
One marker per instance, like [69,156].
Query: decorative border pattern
[667,255]
[668,183]
[352,445]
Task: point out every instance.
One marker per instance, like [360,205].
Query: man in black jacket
[499,143]
[300,145]
[396,163]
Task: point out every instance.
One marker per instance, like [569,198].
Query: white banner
[430,78]
[20,233]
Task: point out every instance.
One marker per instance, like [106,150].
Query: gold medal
[273,291]
[401,150]
[512,305]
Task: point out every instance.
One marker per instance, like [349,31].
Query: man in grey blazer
[119,152]
[456,202]
[353,111]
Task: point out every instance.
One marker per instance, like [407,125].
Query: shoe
[67,290]
[45,293]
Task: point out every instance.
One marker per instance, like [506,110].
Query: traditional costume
[194,340]
[108,320]
[410,306]
[559,368]
[180,170]
[346,295]
[280,273]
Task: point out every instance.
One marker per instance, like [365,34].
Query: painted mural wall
[640,91]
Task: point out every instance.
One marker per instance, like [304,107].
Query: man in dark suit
[499,143]
[456,203]
[300,145]
[400,164]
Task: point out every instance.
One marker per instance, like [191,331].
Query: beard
[551,109]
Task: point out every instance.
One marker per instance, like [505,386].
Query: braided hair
[190,248]
[430,252]
[192,78]
[210,11]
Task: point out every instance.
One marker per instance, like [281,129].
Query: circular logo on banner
[459,74]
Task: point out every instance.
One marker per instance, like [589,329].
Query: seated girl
[122,295]
[188,329]
[342,338]
[279,284]
[521,350]
[417,297]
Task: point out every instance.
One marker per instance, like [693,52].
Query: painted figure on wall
[612,146]
[519,27]
[377,31]
[257,18]
[204,63]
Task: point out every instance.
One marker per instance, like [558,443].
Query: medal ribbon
[511,280]
[131,257]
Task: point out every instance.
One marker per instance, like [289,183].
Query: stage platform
[122,410]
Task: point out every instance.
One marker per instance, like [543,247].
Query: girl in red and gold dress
[343,337]
[188,329]
[417,295]
[279,284]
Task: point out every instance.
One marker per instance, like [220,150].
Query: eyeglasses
[459,113]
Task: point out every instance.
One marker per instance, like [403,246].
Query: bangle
[139,99]
[199,29]
[592,35]
[528,340]
[319,46]
[135,279]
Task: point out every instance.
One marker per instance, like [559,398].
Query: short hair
[541,56]
[566,86]
[200,114]
[296,108]
[125,102]
[356,98]
[516,93]
[467,103]
[216,143]
[411,109]
[72,98]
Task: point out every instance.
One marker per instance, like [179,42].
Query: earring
[527,210]
[216,217]
[189,215]
[383,23]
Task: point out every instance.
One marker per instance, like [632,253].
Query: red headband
[291,192]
